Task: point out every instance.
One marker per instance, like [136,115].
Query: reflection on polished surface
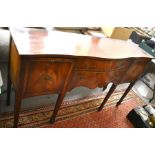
[34,42]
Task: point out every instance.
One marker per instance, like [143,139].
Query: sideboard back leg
[18,100]
[113,87]
[125,93]
[8,75]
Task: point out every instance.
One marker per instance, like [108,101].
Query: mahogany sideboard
[44,62]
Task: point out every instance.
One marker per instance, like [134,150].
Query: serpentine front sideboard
[44,62]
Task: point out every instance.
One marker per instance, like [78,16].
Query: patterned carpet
[78,113]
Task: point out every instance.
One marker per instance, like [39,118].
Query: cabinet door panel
[45,77]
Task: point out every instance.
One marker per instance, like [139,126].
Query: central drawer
[92,79]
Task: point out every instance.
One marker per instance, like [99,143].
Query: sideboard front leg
[113,87]
[18,100]
[62,94]
[125,93]
[57,106]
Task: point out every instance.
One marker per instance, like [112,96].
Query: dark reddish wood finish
[36,70]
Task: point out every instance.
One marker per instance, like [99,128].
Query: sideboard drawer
[135,71]
[94,79]
[102,65]
[45,77]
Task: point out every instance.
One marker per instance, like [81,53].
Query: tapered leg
[57,106]
[62,94]
[8,76]
[113,87]
[125,93]
[17,107]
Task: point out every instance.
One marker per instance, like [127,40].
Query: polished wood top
[38,42]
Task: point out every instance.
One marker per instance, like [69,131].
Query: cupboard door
[45,77]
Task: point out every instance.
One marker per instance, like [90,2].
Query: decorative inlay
[47,77]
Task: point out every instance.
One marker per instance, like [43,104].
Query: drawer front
[45,77]
[135,71]
[102,65]
[94,79]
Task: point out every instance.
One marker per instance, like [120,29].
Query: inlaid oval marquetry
[47,77]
